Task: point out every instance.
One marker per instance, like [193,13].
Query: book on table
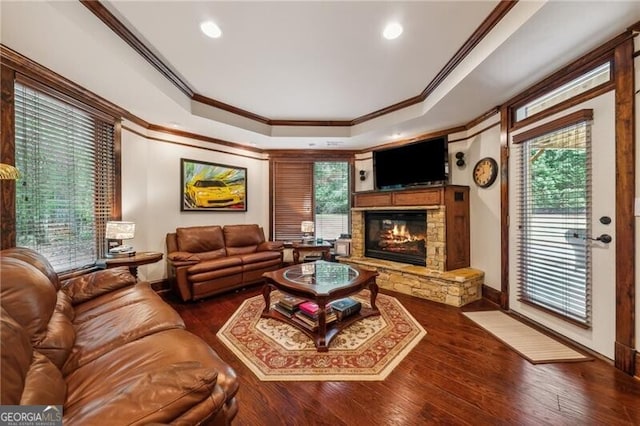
[291,302]
[311,323]
[346,307]
[288,305]
[311,308]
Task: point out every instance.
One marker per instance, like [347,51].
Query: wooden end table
[321,282]
[139,259]
[324,248]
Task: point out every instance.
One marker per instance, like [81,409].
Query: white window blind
[66,191]
[554,220]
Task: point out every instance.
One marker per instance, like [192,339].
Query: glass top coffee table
[321,282]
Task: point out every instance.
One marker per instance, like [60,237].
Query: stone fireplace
[444,276]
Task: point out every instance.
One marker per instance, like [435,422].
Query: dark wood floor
[458,374]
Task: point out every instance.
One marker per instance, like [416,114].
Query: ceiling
[284,70]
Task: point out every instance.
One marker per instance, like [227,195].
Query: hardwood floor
[457,375]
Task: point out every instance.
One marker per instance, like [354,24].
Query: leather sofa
[207,260]
[106,348]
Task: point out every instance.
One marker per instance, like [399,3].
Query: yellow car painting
[213,193]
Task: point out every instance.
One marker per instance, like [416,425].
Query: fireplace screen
[399,236]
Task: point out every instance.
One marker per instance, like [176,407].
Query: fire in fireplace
[399,236]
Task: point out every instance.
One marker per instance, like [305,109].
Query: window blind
[331,184]
[64,197]
[292,198]
[554,220]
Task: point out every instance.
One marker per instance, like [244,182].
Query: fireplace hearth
[397,235]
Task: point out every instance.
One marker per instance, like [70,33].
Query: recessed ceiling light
[211,29]
[392,31]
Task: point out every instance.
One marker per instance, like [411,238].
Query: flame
[401,233]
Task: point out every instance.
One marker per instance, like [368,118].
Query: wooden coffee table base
[323,335]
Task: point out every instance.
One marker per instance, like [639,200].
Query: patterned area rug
[366,350]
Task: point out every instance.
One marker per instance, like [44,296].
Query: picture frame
[209,187]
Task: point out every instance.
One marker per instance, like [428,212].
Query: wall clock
[485,172]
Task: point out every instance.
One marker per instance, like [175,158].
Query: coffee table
[321,282]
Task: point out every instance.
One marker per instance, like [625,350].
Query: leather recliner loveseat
[208,260]
[106,348]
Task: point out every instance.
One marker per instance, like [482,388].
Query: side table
[140,258]
[324,248]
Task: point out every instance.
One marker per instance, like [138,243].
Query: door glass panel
[554,220]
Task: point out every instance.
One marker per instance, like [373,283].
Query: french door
[562,201]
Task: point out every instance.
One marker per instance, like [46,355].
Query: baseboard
[626,358]
[491,294]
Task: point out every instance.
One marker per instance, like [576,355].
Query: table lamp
[307,227]
[115,232]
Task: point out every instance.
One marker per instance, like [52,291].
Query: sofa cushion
[88,286]
[28,377]
[60,336]
[214,265]
[198,239]
[155,379]
[111,301]
[261,256]
[36,260]
[241,239]
[14,363]
[115,327]
[44,384]
[27,295]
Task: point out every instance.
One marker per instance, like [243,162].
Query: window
[331,199]
[310,191]
[67,188]
[554,217]
[582,84]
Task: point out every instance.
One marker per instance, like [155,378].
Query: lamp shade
[306,226]
[7,171]
[117,230]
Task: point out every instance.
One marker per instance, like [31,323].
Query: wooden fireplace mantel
[452,199]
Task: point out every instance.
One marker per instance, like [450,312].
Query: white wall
[151,189]
[484,203]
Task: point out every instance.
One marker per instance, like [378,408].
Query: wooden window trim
[552,126]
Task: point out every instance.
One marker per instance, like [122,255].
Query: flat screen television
[421,163]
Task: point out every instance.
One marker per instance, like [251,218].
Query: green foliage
[558,179]
[331,187]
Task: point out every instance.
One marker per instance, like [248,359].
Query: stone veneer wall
[455,288]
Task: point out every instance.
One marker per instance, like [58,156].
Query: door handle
[605,238]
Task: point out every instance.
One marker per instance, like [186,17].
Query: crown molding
[496,15]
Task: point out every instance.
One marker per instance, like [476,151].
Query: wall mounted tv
[421,163]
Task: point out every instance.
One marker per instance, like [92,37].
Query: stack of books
[288,305]
[346,307]
[307,315]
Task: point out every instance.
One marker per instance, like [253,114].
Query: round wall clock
[485,172]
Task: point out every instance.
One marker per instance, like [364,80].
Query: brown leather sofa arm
[180,283]
[88,286]
[183,258]
[271,246]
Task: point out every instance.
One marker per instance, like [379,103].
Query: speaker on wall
[363,174]
[460,159]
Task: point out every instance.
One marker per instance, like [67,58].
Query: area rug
[531,344]
[366,350]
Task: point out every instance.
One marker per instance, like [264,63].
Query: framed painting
[212,187]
